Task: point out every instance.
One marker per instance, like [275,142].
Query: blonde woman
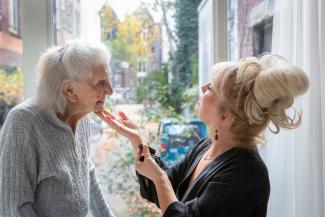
[44,142]
[223,176]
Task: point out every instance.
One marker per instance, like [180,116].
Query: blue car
[177,138]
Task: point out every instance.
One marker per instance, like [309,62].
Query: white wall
[212,36]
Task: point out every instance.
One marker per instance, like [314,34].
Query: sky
[122,7]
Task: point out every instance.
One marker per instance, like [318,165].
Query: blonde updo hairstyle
[257,92]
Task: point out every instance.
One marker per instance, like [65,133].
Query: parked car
[177,138]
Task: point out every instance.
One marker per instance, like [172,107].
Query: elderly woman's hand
[123,125]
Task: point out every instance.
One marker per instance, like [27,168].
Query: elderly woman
[44,142]
[223,176]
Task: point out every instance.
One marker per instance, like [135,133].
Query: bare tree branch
[170,35]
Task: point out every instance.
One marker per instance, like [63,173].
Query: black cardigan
[235,184]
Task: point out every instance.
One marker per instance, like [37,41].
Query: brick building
[67,16]
[250,25]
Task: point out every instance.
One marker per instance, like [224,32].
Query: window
[68,16]
[1,16]
[66,20]
[11,76]
[142,66]
[249,25]
[263,37]
[14,17]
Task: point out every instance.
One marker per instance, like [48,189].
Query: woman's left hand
[148,167]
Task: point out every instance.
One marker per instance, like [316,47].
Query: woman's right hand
[123,125]
[147,166]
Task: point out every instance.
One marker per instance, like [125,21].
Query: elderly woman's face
[93,90]
[207,106]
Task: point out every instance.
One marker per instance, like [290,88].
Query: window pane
[66,15]
[11,76]
[249,28]
[135,48]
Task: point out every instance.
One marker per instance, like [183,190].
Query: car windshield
[184,130]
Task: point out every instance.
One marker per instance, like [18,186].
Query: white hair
[73,61]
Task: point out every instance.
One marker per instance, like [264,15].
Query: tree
[187,46]
[109,22]
[127,44]
[11,90]
[133,37]
[185,64]
[184,61]
[167,9]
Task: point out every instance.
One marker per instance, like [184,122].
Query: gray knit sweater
[44,167]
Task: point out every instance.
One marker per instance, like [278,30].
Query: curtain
[295,158]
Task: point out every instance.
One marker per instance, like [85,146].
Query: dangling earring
[216,137]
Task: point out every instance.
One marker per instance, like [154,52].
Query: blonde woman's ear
[227,119]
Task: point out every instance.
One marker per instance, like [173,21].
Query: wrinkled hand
[123,125]
[148,167]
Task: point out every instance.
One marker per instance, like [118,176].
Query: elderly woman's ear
[69,90]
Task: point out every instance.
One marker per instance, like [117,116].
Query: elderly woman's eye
[100,83]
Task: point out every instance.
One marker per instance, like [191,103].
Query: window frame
[37,17]
[218,41]
[261,27]
[14,17]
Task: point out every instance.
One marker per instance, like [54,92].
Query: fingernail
[122,115]
[152,150]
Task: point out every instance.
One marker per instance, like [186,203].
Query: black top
[235,184]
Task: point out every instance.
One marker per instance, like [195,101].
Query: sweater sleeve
[18,167]
[148,188]
[98,205]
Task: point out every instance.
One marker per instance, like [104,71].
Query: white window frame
[14,17]
[1,17]
[214,12]
[37,37]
